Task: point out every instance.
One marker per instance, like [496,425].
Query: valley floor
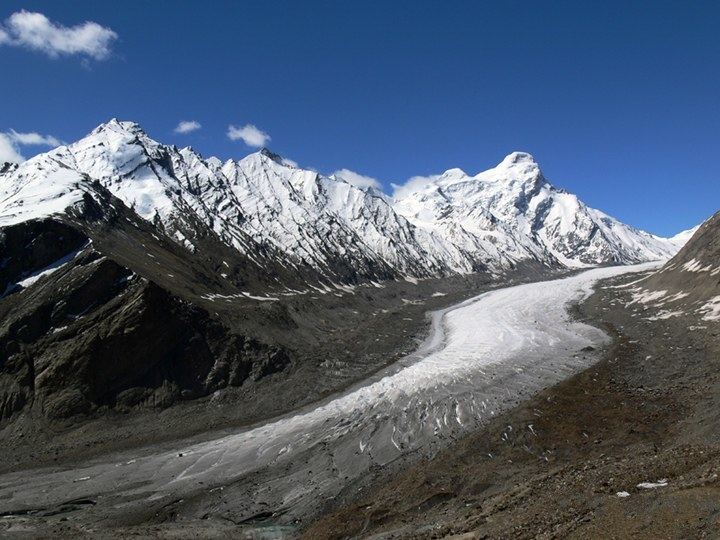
[628,448]
[356,335]
[552,466]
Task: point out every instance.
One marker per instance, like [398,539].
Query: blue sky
[618,101]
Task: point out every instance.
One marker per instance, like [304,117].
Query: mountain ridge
[265,207]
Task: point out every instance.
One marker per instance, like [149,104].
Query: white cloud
[33,138]
[289,162]
[12,140]
[357,179]
[412,185]
[186,126]
[250,135]
[36,32]
[8,150]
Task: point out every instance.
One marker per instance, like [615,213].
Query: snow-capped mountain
[268,209]
[153,274]
[257,204]
[683,237]
[513,209]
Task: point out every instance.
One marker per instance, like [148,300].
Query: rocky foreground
[628,448]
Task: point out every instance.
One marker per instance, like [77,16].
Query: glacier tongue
[265,206]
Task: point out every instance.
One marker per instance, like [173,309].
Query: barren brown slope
[561,464]
[690,280]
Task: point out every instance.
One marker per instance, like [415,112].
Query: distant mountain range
[311,227]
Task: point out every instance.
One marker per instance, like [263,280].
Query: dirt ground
[571,462]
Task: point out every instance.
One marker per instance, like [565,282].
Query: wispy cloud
[34,138]
[289,162]
[412,185]
[36,32]
[249,134]
[186,126]
[9,151]
[11,141]
[357,179]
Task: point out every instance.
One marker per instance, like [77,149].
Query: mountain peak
[444,223]
[117,126]
[277,158]
[516,158]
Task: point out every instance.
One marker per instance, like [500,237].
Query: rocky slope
[689,283]
[98,313]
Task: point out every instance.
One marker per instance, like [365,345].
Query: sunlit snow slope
[265,207]
[513,212]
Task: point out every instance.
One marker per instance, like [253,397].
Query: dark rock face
[156,350]
[7,167]
[31,246]
[95,335]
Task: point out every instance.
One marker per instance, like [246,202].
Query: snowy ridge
[311,219]
[683,237]
[263,206]
[515,209]
[26,194]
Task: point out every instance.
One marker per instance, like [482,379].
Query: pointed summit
[119,126]
[265,152]
[277,158]
[516,158]
[454,173]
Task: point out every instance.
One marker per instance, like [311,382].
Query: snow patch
[653,485]
[32,278]
[665,314]
[643,296]
[694,265]
[711,309]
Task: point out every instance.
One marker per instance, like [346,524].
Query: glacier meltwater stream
[483,356]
